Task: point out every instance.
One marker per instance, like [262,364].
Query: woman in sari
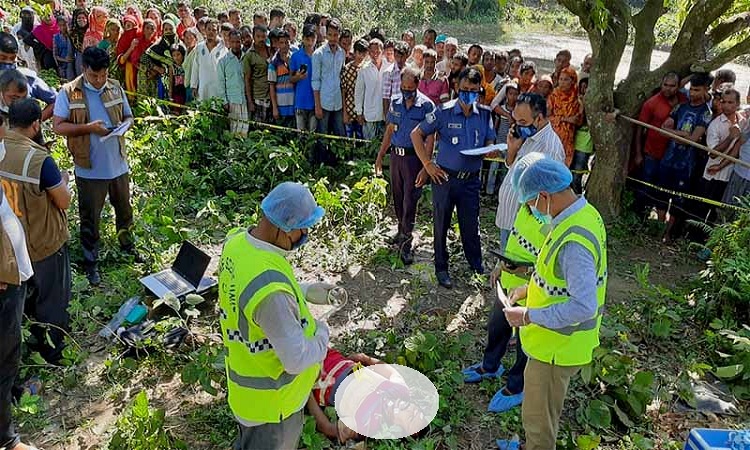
[153,61]
[78,27]
[44,34]
[97,25]
[155,15]
[190,38]
[112,33]
[131,46]
[564,111]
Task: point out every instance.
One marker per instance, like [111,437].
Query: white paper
[484,150]
[502,297]
[119,131]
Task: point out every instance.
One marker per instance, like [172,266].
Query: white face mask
[91,86]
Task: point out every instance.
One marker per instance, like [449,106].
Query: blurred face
[189,39]
[474,54]
[153,15]
[177,56]
[523,116]
[167,28]
[81,4]
[429,40]
[729,104]
[63,26]
[588,61]
[283,45]
[500,65]
[514,69]
[669,87]
[82,20]
[246,36]
[401,59]
[440,48]
[148,31]
[97,78]
[12,94]
[212,31]
[408,84]
[488,62]
[456,66]
[409,39]
[201,27]
[511,95]
[332,35]
[418,57]
[235,19]
[389,56]
[114,32]
[225,35]
[697,94]
[359,57]
[259,37]
[466,85]
[375,52]
[450,50]
[544,88]
[7,58]
[183,12]
[310,41]
[429,64]
[566,82]
[346,43]
[234,43]
[561,62]
[526,76]
[292,32]
[716,105]
[128,26]
[101,18]
[582,88]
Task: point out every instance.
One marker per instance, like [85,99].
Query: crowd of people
[424,103]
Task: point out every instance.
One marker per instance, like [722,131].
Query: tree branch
[644,23]
[701,15]
[727,28]
[581,9]
[727,55]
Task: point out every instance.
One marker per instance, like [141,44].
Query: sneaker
[406,256]
[92,274]
[444,280]
[472,374]
[397,239]
[501,402]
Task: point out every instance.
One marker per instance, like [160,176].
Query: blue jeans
[11,312]
[332,123]
[354,130]
[462,195]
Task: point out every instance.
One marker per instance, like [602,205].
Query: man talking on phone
[299,64]
[86,110]
[530,132]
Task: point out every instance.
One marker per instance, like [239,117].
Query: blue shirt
[106,161]
[38,88]
[686,118]
[457,132]
[326,76]
[50,177]
[303,91]
[406,119]
[579,271]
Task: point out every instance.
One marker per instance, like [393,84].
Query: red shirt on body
[654,112]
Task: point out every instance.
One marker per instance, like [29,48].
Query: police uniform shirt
[457,132]
[405,119]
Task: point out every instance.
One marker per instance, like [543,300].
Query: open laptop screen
[191,263]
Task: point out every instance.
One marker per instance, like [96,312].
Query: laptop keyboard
[174,284]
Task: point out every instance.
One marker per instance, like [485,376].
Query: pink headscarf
[45,32]
[95,33]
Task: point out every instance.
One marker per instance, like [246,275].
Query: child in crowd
[177,77]
[584,145]
[62,50]
[504,113]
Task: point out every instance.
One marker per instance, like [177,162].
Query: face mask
[468,97]
[302,241]
[7,66]
[546,219]
[91,86]
[408,95]
[526,132]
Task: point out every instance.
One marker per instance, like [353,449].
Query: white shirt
[718,130]
[544,141]
[368,91]
[16,235]
[204,75]
[443,67]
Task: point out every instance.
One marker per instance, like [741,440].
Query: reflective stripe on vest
[523,245]
[574,344]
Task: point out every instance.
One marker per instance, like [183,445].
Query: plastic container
[717,439]
[119,318]
[136,315]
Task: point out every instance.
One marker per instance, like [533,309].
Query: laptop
[184,277]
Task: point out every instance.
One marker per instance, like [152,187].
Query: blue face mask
[468,97]
[302,241]
[546,219]
[7,66]
[526,132]
[408,95]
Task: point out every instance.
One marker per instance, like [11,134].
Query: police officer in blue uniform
[461,124]
[406,112]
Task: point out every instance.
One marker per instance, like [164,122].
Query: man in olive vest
[86,111]
[559,326]
[15,270]
[275,347]
[38,193]
[522,247]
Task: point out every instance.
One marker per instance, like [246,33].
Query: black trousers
[404,171]
[499,333]
[91,196]
[47,302]
[463,196]
[11,313]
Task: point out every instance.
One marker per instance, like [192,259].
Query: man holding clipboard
[513,270]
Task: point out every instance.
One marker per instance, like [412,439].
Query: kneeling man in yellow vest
[275,346]
[559,326]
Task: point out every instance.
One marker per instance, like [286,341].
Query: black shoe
[92,274]
[444,279]
[406,256]
[131,251]
[397,239]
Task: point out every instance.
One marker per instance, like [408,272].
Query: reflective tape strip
[114,102]
[258,283]
[258,346]
[559,291]
[27,161]
[20,178]
[261,383]
[583,326]
[524,243]
[584,233]
[77,106]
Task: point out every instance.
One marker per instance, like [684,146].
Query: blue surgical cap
[520,166]
[544,175]
[291,206]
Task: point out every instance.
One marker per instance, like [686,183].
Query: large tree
[712,33]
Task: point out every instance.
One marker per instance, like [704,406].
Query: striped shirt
[544,141]
[279,75]
[392,82]
[503,126]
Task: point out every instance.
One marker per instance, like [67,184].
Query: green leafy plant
[142,428]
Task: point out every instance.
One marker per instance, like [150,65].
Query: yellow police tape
[250,122]
[502,160]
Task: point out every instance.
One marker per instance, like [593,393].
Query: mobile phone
[303,68]
[510,263]
[515,132]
